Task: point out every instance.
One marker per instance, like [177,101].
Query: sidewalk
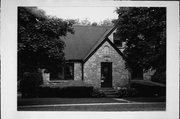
[47,101]
[92,104]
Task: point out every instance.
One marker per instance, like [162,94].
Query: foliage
[127,92]
[30,83]
[144,31]
[146,90]
[85,22]
[94,24]
[106,22]
[39,43]
[69,83]
[97,93]
[159,77]
[51,90]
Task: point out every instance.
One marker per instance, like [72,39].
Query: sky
[94,14]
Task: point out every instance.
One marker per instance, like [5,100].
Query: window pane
[117,41]
[57,74]
[69,71]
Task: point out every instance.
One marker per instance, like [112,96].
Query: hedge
[71,91]
[30,83]
[149,91]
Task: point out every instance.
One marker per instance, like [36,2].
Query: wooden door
[106,74]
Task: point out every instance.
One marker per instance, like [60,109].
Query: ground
[92,104]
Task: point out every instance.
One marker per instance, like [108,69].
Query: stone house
[94,55]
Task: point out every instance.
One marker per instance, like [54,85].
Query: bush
[149,90]
[127,92]
[97,94]
[159,77]
[30,83]
[71,91]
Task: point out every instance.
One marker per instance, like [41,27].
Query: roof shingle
[84,39]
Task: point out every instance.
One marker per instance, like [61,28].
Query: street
[91,104]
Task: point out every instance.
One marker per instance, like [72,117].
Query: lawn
[146,88]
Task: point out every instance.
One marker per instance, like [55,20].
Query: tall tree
[106,22]
[39,43]
[85,22]
[144,31]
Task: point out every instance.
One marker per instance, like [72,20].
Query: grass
[147,82]
[147,99]
[148,88]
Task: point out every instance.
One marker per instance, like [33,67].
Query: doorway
[106,74]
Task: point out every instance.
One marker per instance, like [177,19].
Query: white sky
[94,14]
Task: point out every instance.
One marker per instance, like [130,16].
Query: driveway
[91,104]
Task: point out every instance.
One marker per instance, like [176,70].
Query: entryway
[106,74]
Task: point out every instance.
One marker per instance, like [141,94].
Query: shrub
[97,94]
[159,77]
[30,83]
[127,92]
[56,90]
[149,90]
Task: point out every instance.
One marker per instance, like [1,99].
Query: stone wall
[92,67]
[77,71]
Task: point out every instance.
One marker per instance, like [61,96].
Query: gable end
[106,39]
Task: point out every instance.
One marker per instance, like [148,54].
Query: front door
[106,74]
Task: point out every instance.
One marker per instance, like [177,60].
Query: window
[57,74]
[117,41]
[69,71]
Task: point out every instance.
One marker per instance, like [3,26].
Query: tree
[39,43]
[144,31]
[85,22]
[106,22]
[94,24]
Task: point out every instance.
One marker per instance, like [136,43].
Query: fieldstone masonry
[92,67]
[77,71]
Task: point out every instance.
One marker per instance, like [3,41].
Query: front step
[109,92]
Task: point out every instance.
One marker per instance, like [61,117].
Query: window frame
[117,42]
[65,71]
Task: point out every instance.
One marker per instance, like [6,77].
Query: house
[93,55]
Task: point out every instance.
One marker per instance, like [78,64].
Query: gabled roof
[84,40]
[81,45]
[100,44]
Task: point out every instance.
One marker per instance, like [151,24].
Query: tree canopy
[87,22]
[144,31]
[39,43]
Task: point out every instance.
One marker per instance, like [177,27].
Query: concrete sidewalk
[47,101]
